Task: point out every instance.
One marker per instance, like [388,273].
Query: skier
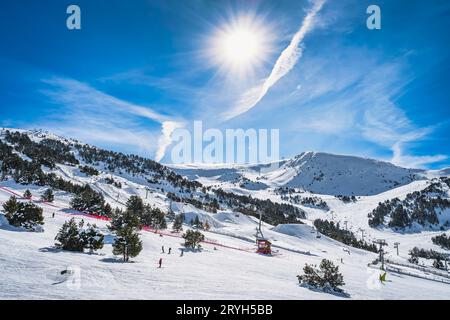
[53,214]
[383,277]
[170,250]
[182,252]
[162,248]
[160,262]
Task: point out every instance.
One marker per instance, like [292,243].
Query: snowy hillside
[31,267]
[228,267]
[316,172]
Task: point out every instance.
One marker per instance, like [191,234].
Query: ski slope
[227,267]
[31,266]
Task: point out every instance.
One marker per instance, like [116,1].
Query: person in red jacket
[160,262]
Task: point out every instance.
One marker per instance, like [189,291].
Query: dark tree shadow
[341,294]
[114,260]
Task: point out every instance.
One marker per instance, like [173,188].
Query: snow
[31,266]
[316,172]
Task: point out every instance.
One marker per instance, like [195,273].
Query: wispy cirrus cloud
[348,103]
[92,115]
[284,64]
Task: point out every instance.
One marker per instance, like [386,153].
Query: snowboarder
[170,250]
[162,248]
[160,262]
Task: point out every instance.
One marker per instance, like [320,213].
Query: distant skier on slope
[170,250]
[383,277]
[160,262]
[162,249]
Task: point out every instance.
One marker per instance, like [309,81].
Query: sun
[240,46]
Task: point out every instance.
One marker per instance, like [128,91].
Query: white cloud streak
[94,115]
[284,64]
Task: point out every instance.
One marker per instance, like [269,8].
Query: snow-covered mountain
[316,172]
[227,266]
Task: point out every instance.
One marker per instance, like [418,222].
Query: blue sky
[138,68]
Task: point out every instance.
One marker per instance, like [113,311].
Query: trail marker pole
[396,244]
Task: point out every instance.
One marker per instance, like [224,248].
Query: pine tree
[192,239]
[326,277]
[437,263]
[88,201]
[414,258]
[310,277]
[146,217]
[158,219]
[27,194]
[11,206]
[25,215]
[92,238]
[107,210]
[178,223]
[331,275]
[48,196]
[197,223]
[125,225]
[135,205]
[127,244]
[69,236]
[170,214]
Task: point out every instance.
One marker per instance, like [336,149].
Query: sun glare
[240,46]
